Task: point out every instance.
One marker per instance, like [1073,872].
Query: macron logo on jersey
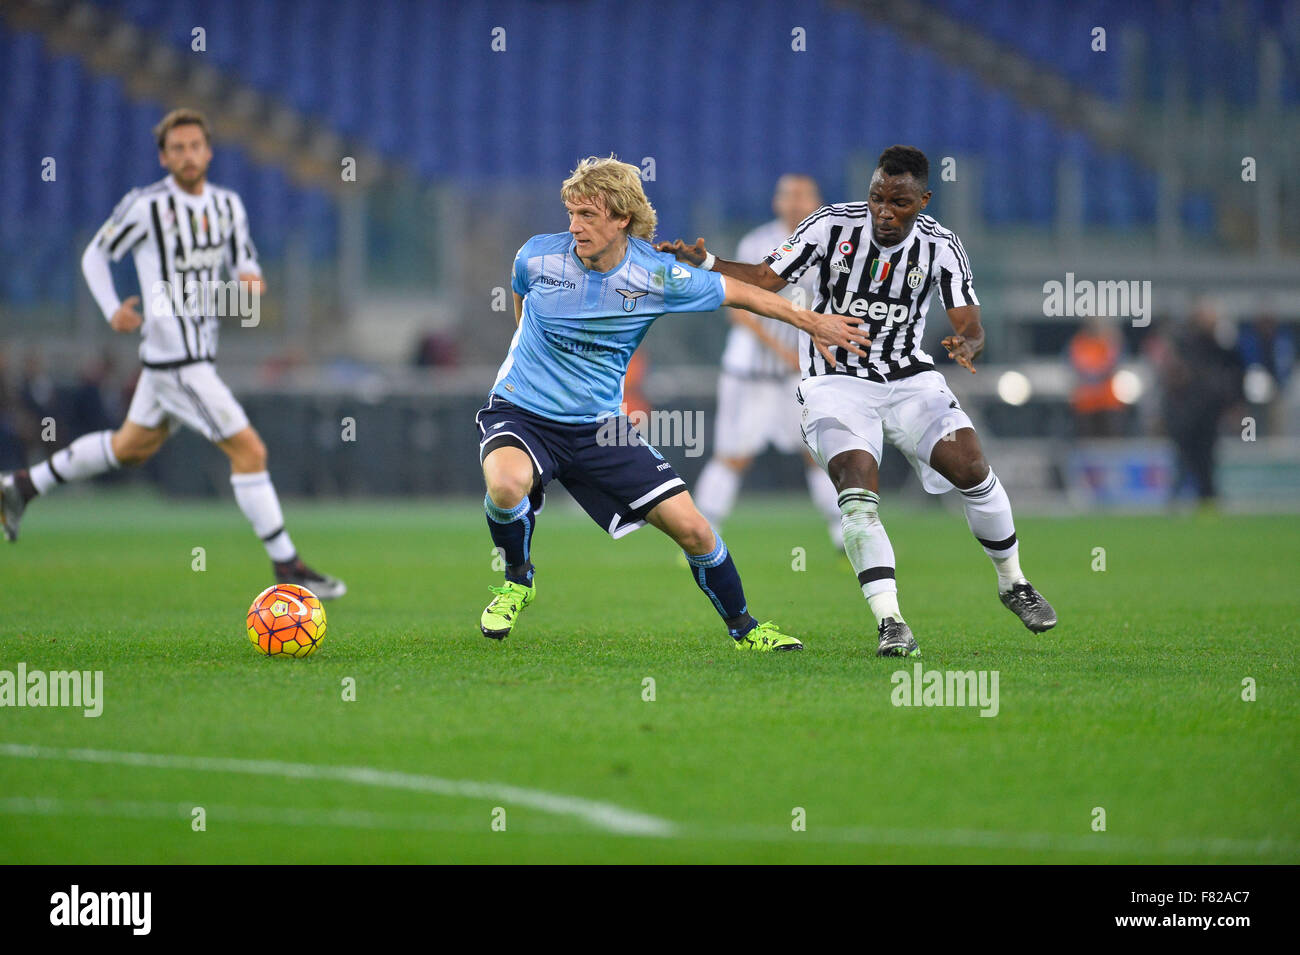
[876,309]
[558,283]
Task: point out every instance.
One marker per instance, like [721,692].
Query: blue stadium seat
[419,83]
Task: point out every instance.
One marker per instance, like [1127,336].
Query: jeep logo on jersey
[200,259]
[877,310]
[630,298]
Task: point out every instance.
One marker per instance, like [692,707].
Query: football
[286,620]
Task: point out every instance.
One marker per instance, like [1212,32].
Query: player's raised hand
[690,254]
[962,350]
[127,318]
[837,331]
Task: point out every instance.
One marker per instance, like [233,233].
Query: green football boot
[766,637]
[500,616]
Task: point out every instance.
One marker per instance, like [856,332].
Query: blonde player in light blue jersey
[584,300]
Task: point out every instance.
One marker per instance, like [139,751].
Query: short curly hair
[898,160]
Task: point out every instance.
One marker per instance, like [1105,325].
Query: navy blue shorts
[607,466]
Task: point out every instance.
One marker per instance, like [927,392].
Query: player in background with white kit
[183,232]
[760,372]
[884,261]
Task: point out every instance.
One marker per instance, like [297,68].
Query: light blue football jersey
[579,328]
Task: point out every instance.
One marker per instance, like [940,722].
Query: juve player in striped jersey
[884,261]
[183,233]
[760,371]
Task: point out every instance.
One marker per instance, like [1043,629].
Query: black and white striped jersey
[745,355]
[889,287]
[182,245]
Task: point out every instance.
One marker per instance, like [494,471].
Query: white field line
[606,816]
[602,815]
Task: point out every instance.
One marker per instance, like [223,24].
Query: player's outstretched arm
[827,331]
[759,274]
[965,346]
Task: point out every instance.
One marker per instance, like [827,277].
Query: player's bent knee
[254,456]
[966,473]
[132,451]
[507,495]
[506,485]
[131,457]
[853,469]
[246,451]
[695,536]
[971,476]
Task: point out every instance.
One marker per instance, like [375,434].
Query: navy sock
[715,573]
[26,488]
[512,532]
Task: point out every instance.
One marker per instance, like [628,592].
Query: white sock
[826,499]
[89,455]
[256,497]
[715,491]
[1008,569]
[869,551]
[988,514]
[885,604]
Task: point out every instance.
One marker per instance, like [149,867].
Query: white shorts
[756,412]
[191,394]
[843,413]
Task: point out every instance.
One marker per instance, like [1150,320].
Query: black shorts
[607,466]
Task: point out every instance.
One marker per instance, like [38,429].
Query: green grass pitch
[1132,705]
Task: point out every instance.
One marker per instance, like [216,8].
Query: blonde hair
[180,117]
[618,186]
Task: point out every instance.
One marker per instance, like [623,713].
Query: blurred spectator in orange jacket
[1095,351]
